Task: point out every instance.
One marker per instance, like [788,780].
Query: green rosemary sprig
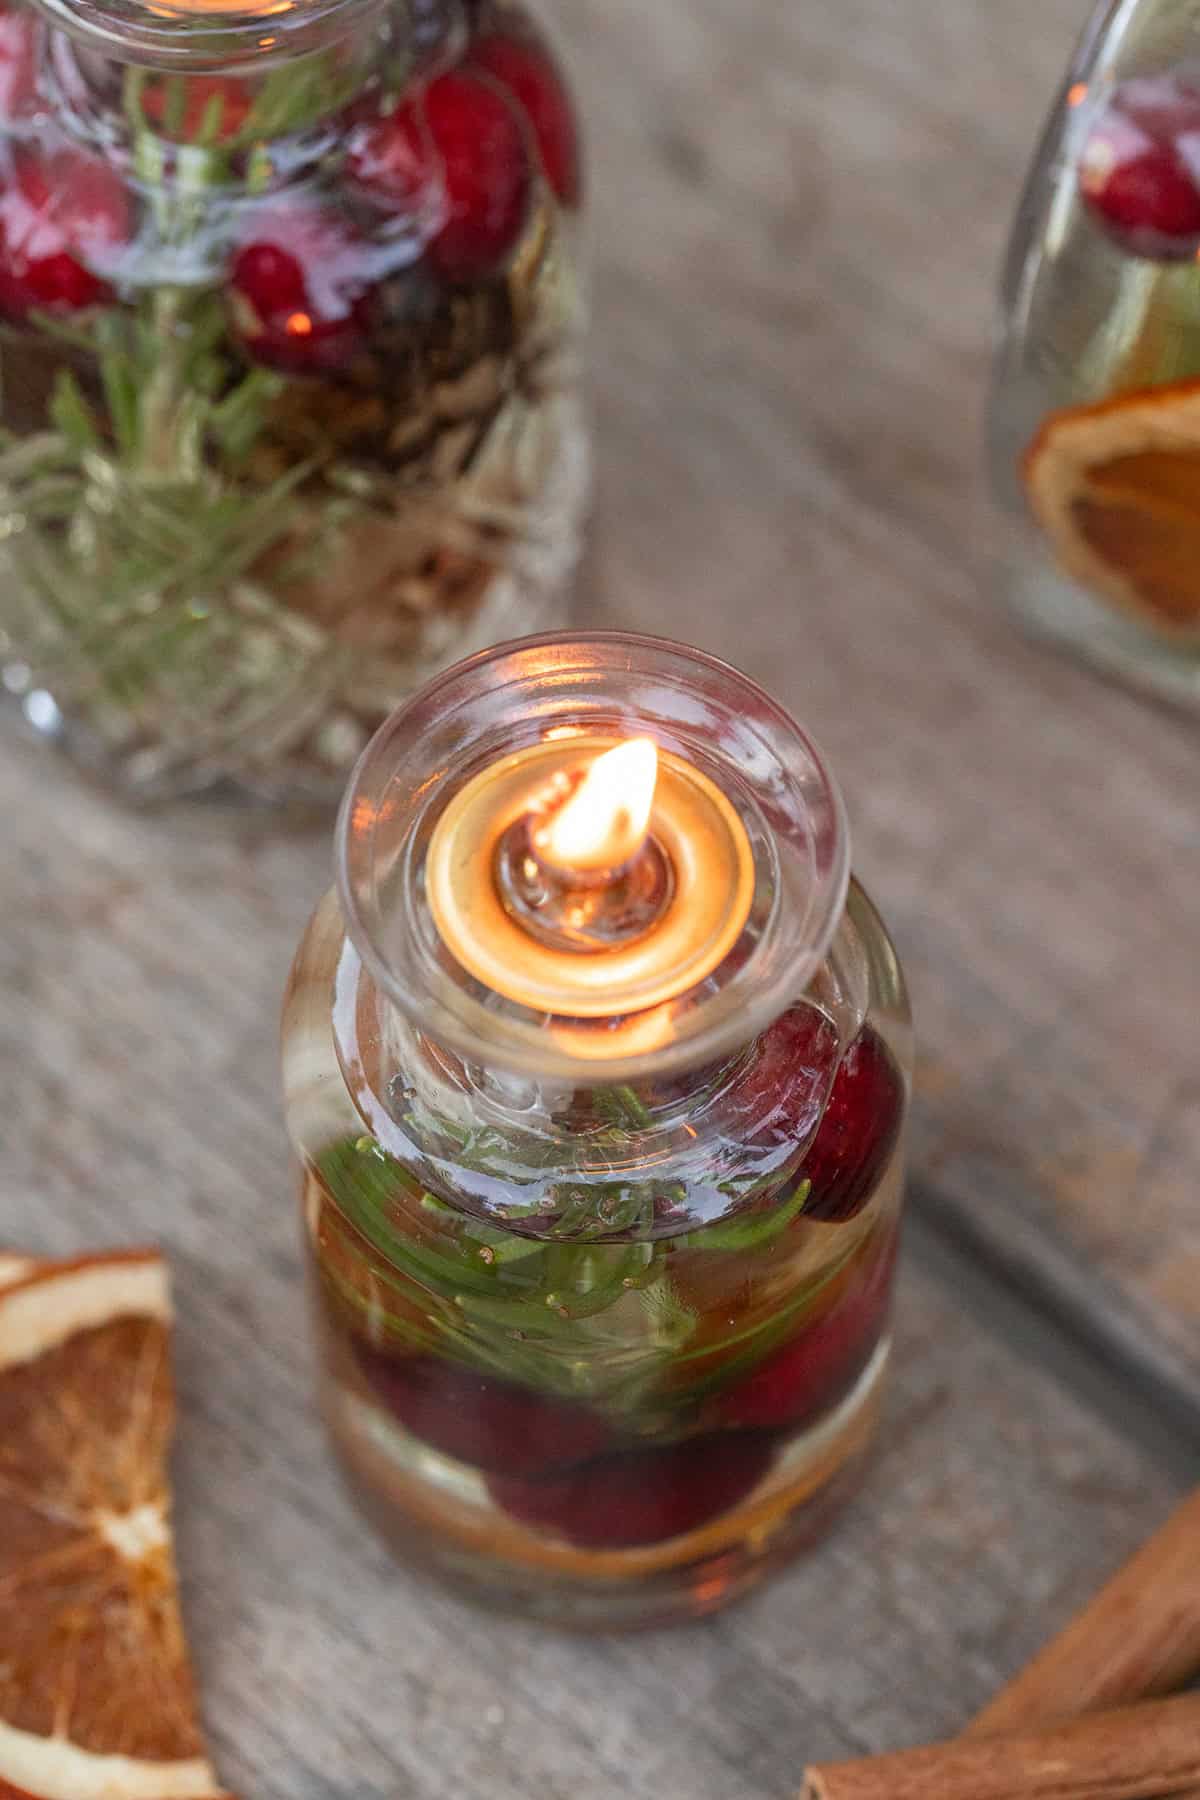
[236,114]
[135,525]
[522,1307]
[753,1230]
[295,96]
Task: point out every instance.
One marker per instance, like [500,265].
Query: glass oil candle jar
[289,314]
[596,1062]
[1096,404]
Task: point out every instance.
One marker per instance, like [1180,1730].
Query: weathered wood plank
[802,210]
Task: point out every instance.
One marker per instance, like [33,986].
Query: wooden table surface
[800,210]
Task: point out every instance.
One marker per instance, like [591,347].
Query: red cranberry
[1139,172]
[454,154]
[299,289]
[18,61]
[480,1419]
[779,1092]
[59,211]
[858,1131]
[639,1496]
[819,1366]
[530,74]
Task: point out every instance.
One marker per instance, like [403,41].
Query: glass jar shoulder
[369,1095]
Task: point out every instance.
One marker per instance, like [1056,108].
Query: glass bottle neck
[488,717]
[208,94]
[570,1154]
[206,36]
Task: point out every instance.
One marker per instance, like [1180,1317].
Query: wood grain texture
[799,213]
[1138,1637]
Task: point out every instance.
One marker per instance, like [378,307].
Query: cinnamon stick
[1138,1638]
[1144,1752]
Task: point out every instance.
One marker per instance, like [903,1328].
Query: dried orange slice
[96,1698]
[13,1268]
[1116,488]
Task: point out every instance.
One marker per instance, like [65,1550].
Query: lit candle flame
[603,824]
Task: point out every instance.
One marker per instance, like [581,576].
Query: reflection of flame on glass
[250,9]
[603,824]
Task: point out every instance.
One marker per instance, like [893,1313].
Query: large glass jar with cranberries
[289,308]
[602,1303]
[1096,406]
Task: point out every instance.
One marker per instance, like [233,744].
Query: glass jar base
[309,777]
[282,727]
[1059,611]
[452,1531]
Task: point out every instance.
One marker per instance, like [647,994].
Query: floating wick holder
[693,828]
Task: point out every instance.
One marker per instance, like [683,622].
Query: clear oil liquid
[589,1428]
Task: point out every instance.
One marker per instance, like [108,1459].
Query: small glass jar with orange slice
[1095,416]
[601,1148]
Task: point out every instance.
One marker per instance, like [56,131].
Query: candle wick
[576,909]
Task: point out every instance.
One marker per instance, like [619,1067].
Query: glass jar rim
[629,684]
[201,36]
